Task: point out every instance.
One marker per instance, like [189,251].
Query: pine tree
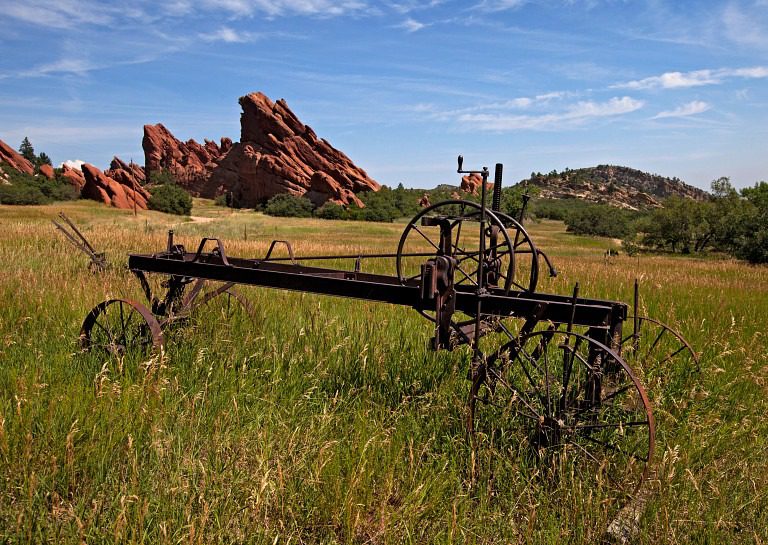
[43,159]
[27,151]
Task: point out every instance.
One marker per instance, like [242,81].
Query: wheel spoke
[425,237]
[514,390]
[600,423]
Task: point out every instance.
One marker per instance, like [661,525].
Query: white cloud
[749,28]
[678,80]
[76,164]
[228,35]
[411,5]
[72,66]
[411,25]
[574,115]
[65,14]
[690,108]
[498,5]
[275,8]
[756,72]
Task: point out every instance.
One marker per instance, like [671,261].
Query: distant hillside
[618,186]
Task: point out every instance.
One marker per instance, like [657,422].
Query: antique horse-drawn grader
[550,372]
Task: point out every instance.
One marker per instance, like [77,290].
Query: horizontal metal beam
[376,287]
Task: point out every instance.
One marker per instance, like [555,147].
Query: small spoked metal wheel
[510,258]
[653,347]
[119,327]
[219,312]
[569,401]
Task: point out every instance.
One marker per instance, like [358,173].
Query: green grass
[330,420]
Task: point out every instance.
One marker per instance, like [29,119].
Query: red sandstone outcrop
[424,201]
[279,154]
[73,176]
[471,184]
[14,160]
[189,162]
[127,174]
[47,171]
[101,187]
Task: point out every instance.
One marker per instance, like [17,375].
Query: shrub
[170,198]
[289,206]
[599,220]
[161,177]
[331,211]
[26,189]
[21,194]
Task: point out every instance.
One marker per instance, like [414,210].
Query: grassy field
[330,420]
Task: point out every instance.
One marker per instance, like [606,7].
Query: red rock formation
[279,154]
[190,163]
[73,176]
[14,160]
[471,184]
[47,171]
[129,175]
[424,201]
[100,187]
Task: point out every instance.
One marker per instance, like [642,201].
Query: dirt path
[201,219]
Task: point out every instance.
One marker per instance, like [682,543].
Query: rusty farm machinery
[556,373]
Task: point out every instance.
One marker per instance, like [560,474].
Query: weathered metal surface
[77,239]
[573,388]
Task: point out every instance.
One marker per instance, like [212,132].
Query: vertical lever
[496,203]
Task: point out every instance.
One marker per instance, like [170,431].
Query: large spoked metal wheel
[569,401]
[119,327]
[510,257]
[525,256]
[651,346]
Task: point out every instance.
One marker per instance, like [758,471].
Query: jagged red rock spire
[277,154]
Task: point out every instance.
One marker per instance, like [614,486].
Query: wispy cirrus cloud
[696,78]
[277,8]
[412,25]
[413,5]
[228,35]
[498,108]
[76,66]
[576,114]
[492,6]
[63,14]
[747,25]
[685,110]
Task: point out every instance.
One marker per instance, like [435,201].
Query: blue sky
[679,88]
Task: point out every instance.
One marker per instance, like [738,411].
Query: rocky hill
[618,186]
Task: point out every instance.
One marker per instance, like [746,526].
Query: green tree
[43,159]
[331,211]
[680,226]
[599,220]
[27,151]
[171,199]
[726,215]
[287,205]
[752,244]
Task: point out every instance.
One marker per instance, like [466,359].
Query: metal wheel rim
[682,348]
[412,227]
[131,328]
[629,391]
